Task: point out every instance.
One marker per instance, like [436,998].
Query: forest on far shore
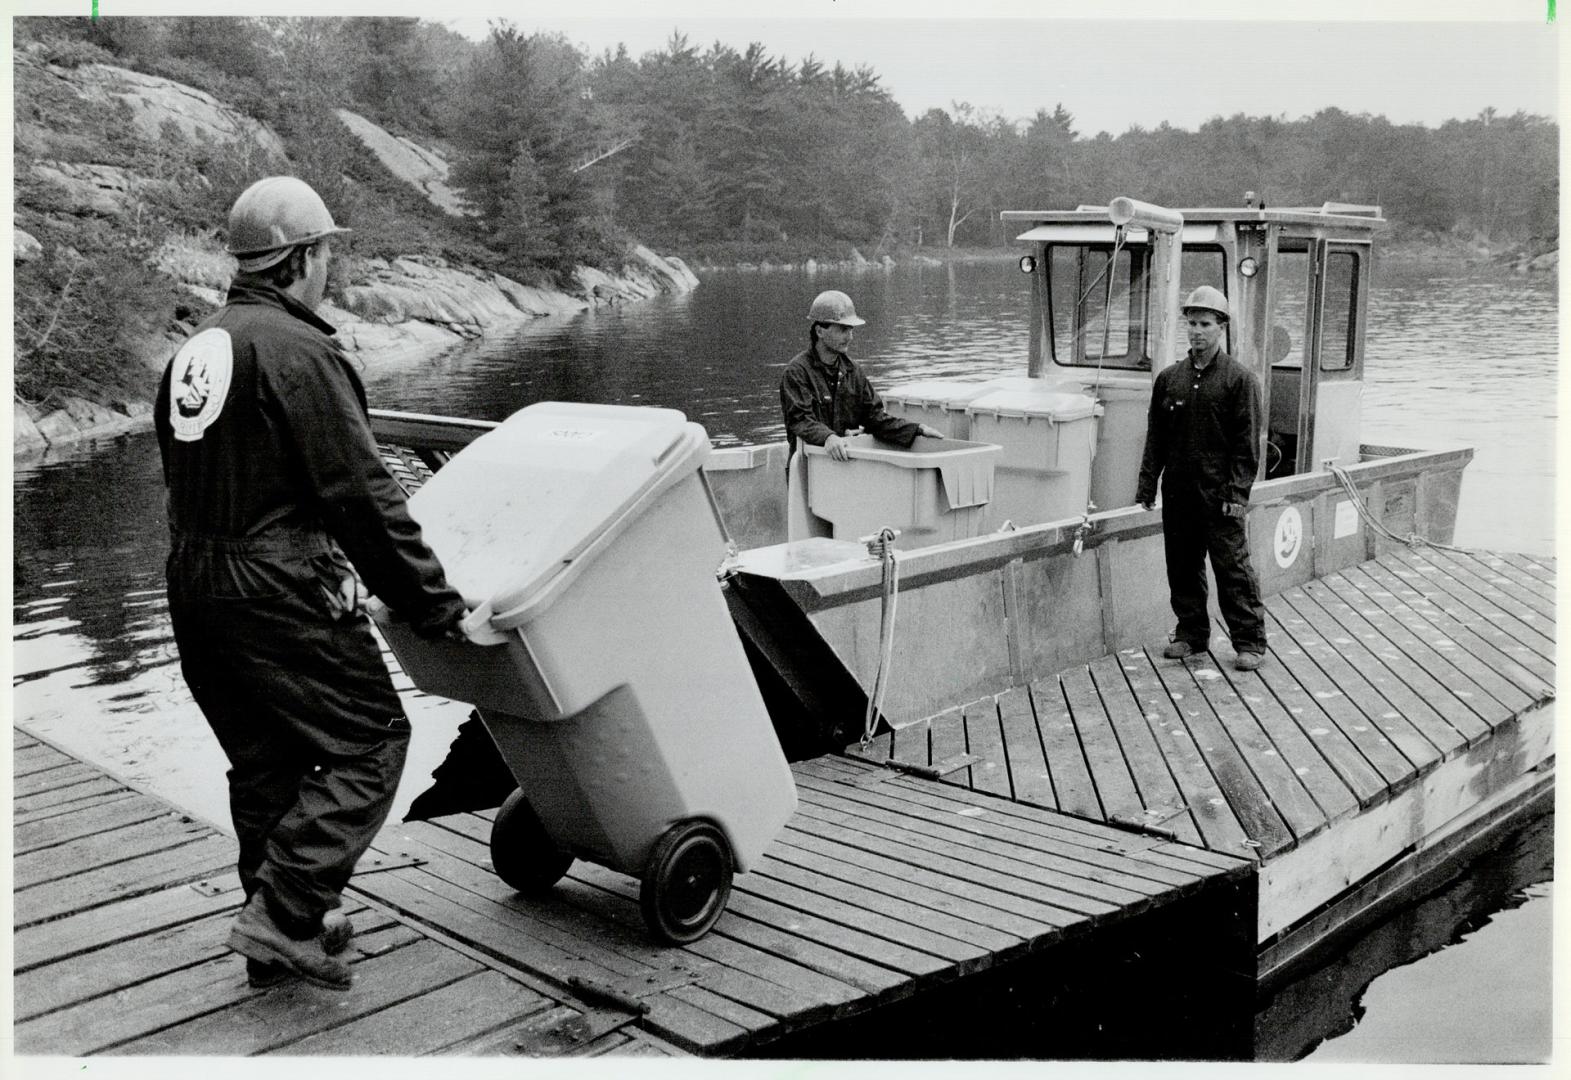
[716,154]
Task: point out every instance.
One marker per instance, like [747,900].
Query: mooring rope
[1411,539]
[882,547]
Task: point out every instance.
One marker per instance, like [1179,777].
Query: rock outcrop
[416,165]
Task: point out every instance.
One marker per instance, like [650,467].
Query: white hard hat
[834,307]
[1208,298]
[274,215]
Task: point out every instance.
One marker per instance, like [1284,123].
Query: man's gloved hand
[1235,510]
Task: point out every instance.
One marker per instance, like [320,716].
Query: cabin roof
[1342,215]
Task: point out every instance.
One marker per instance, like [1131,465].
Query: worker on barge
[275,489]
[824,394]
[1202,440]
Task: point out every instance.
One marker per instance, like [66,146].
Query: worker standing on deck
[1202,441]
[824,394]
[275,488]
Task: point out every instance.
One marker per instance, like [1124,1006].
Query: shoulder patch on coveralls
[199,382]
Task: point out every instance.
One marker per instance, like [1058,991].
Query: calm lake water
[1452,359]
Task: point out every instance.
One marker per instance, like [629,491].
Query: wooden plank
[1330,792]
[38,758]
[1066,763]
[1426,670]
[940,872]
[1214,817]
[1528,622]
[813,990]
[103,849]
[62,828]
[996,927]
[103,971]
[430,1023]
[1532,568]
[1526,596]
[103,926]
[1029,779]
[1378,714]
[939,932]
[1264,829]
[990,843]
[21,740]
[1110,772]
[947,739]
[291,1011]
[1385,591]
[1290,796]
[1162,803]
[205,857]
[1333,711]
[1144,848]
[1105,848]
[51,781]
[76,806]
[1439,609]
[984,739]
[1404,704]
[860,910]
[909,744]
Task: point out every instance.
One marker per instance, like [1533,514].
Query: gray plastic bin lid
[1055,405]
[525,504]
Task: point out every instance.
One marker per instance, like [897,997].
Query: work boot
[1177,650]
[1249,661]
[337,931]
[257,937]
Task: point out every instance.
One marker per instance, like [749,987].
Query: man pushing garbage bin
[277,497]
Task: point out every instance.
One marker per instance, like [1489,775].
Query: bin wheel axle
[687,882]
[522,852]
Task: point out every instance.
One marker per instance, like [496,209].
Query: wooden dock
[885,892]
[1398,693]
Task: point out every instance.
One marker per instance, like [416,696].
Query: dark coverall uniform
[820,400]
[273,479]
[1201,439]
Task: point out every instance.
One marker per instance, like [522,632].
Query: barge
[1337,769]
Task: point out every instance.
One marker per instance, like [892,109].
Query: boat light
[1248,267]
[1027,263]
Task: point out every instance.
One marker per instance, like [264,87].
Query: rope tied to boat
[1411,539]
[881,546]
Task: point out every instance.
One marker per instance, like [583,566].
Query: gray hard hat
[834,306]
[274,215]
[1207,298]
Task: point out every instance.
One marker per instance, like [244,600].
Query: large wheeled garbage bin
[617,690]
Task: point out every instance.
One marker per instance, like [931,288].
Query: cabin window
[1339,330]
[1085,316]
[1290,320]
[1199,266]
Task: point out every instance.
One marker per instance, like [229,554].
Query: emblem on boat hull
[1289,537]
[199,383]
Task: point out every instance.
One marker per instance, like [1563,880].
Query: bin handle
[477,627]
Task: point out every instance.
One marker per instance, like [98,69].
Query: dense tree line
[563,158]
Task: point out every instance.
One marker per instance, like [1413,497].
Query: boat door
[1315,353]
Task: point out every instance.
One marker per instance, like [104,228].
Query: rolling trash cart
[602,657]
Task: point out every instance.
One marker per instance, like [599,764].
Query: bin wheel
[687,882]
[521,850]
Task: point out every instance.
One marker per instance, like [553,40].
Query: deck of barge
[882,889]
[1398,694]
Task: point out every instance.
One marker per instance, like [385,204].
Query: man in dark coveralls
[1202,440]
[275,488]
[825,395]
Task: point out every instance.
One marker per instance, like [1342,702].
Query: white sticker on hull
[1346,523]
[1289,537]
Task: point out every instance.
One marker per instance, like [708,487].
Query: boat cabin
[1106,285]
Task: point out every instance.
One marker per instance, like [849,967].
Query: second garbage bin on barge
[617,690]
